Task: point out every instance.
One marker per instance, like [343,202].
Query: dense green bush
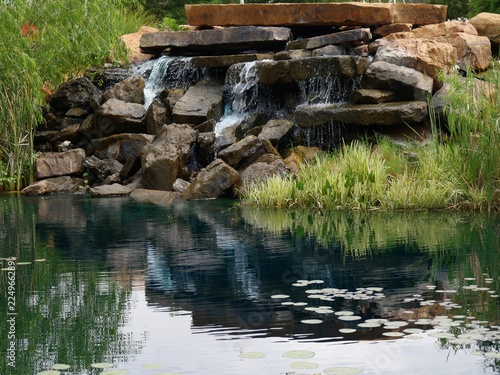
[43,43]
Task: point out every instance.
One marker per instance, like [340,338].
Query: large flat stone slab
[386,114]
[234,39]
[314,14]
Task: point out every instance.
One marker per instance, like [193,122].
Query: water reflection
[212,267]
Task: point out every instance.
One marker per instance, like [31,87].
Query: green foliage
[170,24]
[461,173]
[43,43]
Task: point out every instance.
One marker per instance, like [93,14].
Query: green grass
[65,39]
[460,173]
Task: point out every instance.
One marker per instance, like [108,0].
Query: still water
[214,288]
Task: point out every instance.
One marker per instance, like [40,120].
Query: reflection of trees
[67,312]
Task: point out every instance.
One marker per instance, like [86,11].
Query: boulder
[52,164]
[113,190]
[386,114]
[130,90]
[329,50]
[78,93]
[234,39]
[212,182]
[55,185]
[473,51]
[133,40]
[237,152]
[108,77]
[409,84]
[201,102]
[164,198]
[120,146]
[392,28]
[224,61]
[166,158]
[314,14]
[300,155]
[488,25]
[259,172]
[276,131]
[157,115]
[355,36]
[180,185]
[116,116]
[366,96]
[99,169]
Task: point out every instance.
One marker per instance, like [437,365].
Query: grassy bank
[461,173]
[42,44]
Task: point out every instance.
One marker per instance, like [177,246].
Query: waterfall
[155,81]
[327,89]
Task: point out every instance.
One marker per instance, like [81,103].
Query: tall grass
[43,43]
[462,173]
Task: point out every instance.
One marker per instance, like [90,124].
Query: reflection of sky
[172,342]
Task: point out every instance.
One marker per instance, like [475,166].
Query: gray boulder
[237,152]
[258,172]
[99,169]
[55,185]
[166,158]
[356,36]
[116,116]
[52,164]
[276,131]
[163,198]
[408,83]
[212,182]
[120,146]
[113,190]
[201,102]
[78,93]
[157,115]
[130,90]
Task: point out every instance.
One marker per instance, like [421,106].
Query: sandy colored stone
[132,42]
[488,24]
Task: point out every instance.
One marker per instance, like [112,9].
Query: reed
[42,44]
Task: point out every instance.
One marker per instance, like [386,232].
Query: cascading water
[327,89]
[155,81]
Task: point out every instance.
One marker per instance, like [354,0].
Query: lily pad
[349,318]
[347,330]
[101,365]
[23,263]
[304,365]
[280,296]
[152,365]
[299,354]
[49,372]
[60,366]
[312,321]
[40,260]
[342,371]
[369,325]
[495,355]
[393,334]
[252,355]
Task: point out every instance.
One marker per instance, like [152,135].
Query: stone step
[385,114]
[314,14]
[216,41]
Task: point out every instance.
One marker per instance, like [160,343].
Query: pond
[213,287]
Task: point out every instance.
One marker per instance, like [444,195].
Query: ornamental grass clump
[42,44]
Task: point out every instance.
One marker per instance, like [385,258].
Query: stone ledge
[314,14]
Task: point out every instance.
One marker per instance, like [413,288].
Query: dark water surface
[195,288]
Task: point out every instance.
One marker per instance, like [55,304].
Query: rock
[314,14]
[428,56]
[276,131]
[435,30]
[113,190]
[55,185]
[473,51]
[99,169]
[120,146]
[173,97]
[488,25]
[180,185]
[52,164]
[366,96]
[237,152]
[212,182]
[132,42]
[356,36]
[394,113]
[293,54]
[132,166]
[157,115]
[70,133]
[329,51]
[78,93]
[300,155]
[166,158]
[234,39]
[290,71]
[204,150]
[408,83]
[116,116]
[108,77]
[259,172]
[164,198]
[130,90]
[392,28]
[201,102]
